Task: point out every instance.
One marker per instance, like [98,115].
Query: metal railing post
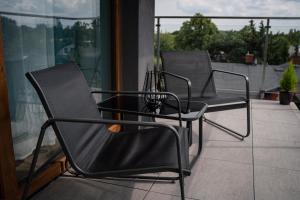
[265,61]
[157,43]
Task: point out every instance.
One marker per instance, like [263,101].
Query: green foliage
[202,33]
[288,81]
[167,42]
[278,49]
[261,37]
[250,36]
[197,33]
[229,42]
[294,39]
[254,40]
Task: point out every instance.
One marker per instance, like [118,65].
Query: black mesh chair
[92,150]
[190,76]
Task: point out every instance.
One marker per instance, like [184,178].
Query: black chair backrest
[64,93]
[194,65]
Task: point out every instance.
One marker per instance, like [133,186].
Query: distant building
[291,50]
[66,50]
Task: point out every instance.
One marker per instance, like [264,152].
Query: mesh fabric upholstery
[64,93]
[194,65]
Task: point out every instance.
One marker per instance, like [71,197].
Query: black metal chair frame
[179,111]
[106,174]
[119,174]
[218,107]
[178,107]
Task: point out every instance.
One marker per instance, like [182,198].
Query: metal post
[157,43]
[265,63]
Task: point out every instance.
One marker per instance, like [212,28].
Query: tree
[294,39]
[249,35]
[197,33]
[231,44]
[278,49]
[254,40]
[167,42]
[261,37]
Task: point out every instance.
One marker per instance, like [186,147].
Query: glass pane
[61,8]
[55,32]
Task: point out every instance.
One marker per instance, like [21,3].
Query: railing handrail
[227,17]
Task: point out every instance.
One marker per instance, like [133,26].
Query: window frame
[10,188]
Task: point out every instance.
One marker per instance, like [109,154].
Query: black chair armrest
[236,74]
[144,92]
[50,121]
[186,80]
[232,73]
[189,83]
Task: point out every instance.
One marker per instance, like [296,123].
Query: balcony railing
[263,48]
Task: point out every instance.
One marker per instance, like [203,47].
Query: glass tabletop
[137,105]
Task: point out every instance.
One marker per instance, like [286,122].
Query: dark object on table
[90,147]
[152,83]
[189,75]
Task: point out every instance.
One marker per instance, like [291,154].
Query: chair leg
[199,143]
[190,133]
[230,131]
[180,171]
[200,136]
[248,119]
[181,182]
[33,164]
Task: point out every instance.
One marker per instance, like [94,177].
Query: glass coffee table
[136,105]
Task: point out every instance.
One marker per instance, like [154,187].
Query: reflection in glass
[37,42]
[60,8]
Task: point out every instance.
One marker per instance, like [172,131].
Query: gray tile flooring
[225,168]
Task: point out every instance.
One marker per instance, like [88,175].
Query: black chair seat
[154,148]
[91,149]
[190,76]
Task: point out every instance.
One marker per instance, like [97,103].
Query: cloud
[229,8]
[167,8]
[283,8]
[67,8]
[27,5]
[76,8]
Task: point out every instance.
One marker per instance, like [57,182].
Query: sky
[64,8]
[69,8]
[88,8]
[284,8]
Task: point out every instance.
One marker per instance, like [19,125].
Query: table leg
[190,133]
[193,161]
[122,118]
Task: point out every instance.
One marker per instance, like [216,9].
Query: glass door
[42,33]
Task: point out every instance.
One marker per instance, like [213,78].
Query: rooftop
[265,165]
[254,73]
